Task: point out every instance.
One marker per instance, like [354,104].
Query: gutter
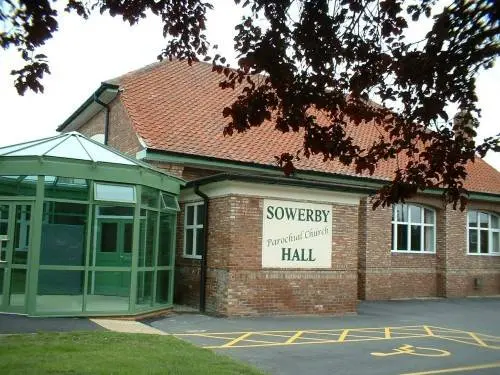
[104,86]
[203,265]
[106,119]
[285,181]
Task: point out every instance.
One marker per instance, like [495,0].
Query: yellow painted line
[234,333]
[428,330]
[475,337]
[297,343]
[447,329]
[262,341]
[271,335]
[215,336]
[379,337]
[387,333]
[294,337]
[489,337]
[343,335]
[238,339]
[456,369]
[457,340]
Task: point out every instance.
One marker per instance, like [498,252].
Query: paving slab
[127,326]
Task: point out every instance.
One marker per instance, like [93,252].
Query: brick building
[288,245]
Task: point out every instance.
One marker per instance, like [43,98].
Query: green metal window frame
[94,173]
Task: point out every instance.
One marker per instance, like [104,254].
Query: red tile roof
[177,107]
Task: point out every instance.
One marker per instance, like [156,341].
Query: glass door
[113,250]
[15,237]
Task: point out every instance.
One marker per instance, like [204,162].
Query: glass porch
[83,245]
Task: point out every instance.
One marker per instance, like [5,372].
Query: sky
[83,53]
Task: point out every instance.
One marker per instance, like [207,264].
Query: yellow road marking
[270,334]
[456,369]
[343,335]
[457,340]
[295,343]
[236,340]
[410,350]
[293,338]
[306,337]
[428,330]
[475,337]
[208,335]
[387,333]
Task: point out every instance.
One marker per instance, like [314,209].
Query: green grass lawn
[110,353]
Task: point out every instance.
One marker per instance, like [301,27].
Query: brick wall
[238,285]
[448,273]
[461,268]
[121,133]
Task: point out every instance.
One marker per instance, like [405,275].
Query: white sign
[296,235]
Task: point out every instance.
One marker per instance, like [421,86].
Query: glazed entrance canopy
[84,230]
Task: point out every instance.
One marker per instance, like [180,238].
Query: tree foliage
[299,58]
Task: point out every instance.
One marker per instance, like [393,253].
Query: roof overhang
[307,178]
[106,93]
[282,181]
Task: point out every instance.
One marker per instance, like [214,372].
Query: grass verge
[110,353]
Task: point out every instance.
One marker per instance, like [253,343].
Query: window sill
[198,257]
[413,252]
[485,254]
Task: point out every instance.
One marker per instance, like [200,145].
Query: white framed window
[194,214]
[413,229]
[483,233]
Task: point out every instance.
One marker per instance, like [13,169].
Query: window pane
[484,241]
[149,197]
[200,214]
[415,214]
[393,247]
[402,237]
[115,193]
[483,220]
[67,188]
[472,241]
[109,236]
[63,234]
[401,213]
[429,216]
[165,247]
[60,291]
[22,234]
[116,211]
[169,202]
[151,237]
[17,287]
[127,240]
[18,185]
[495,242]
[108,291]
[189,241]
[495,222]
[190,215]
[2,272]
[144,289]
[163,287]
[472,218]
[199,241]
[428,238]
[415,237]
